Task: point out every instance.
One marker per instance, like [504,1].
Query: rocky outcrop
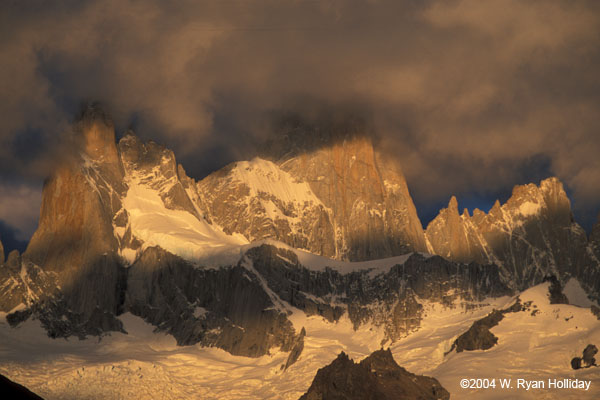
[1,253]
[296,351]
[478,336]
[377,377]
[23,284]
[595,237]
[12,390]
[531,236]
[595,311]
[588,360]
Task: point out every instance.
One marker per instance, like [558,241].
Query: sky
[473,97]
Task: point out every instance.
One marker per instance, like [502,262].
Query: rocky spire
[97,134]
[75,235]
[1,253]
[531,235]
[451,235]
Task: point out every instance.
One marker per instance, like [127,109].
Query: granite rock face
[390,300]
[226,307]
[340,200]
[75,237]
[377,377]
[244,308]
[531,236]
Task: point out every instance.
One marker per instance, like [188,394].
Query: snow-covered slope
[536,345]
[177,231]
[144,364]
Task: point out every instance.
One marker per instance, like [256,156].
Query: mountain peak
[551,183]
[376,377]
[95,130]
[453,204]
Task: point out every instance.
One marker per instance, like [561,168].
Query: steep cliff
[75,236]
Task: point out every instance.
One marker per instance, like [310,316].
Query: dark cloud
[472,96]
[10,240]
[19,212]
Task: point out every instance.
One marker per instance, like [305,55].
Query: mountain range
[322,224]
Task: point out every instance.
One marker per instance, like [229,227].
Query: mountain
[323,226]
[377,377]
[341,200]
[271,257]
[123,229]
[531,236]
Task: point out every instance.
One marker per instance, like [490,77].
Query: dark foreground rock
[588,360]
[479,337]
[12,390]
[377,377]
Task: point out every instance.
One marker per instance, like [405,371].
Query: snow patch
[576,295]
[528,209]
[264,176]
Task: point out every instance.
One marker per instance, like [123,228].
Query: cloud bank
[473,97]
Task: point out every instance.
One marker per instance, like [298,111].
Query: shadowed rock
[297,348]
[377,377]
[588,355]
[12,390]
[479,337]
[588,360]
[555,291]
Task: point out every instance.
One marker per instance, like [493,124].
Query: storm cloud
[473,97]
